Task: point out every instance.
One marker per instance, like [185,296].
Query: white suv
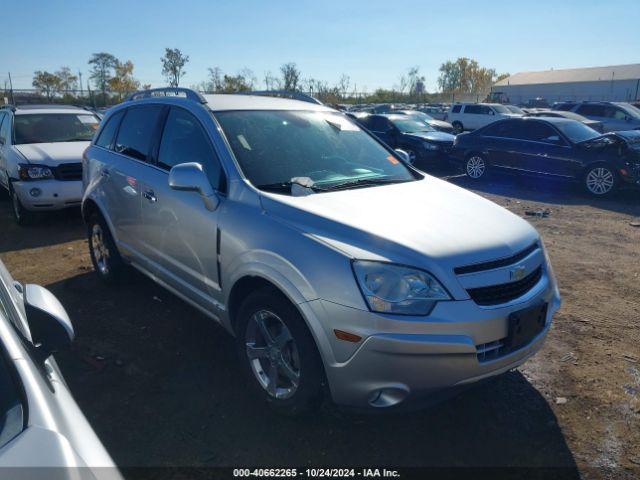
[41,149]
[470,116]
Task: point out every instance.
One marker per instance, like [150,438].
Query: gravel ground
[160,383]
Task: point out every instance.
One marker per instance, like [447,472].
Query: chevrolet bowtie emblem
[517,273]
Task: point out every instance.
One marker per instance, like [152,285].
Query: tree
[465,75]
[290,77]
[68,81]
[101,72]
[123,82]
[271,82]
[343,85]
[502,76]
[215,80]
[415,81]
[173,64]
[47,83]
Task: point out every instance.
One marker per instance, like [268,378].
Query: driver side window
[184,140]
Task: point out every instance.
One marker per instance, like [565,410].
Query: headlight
[34,172]
[431,146]
[389,288]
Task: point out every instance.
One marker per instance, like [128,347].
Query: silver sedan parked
[41,425]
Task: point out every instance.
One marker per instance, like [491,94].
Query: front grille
[502,262]
[68,171]
[490,351]
[503,293]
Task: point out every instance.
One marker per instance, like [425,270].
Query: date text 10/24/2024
[315,473]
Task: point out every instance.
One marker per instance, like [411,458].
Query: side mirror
[404,155]
[190,177]
[49,324]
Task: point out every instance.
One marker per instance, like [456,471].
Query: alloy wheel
[600,181]
[273,354]
[475,166]
[100,249]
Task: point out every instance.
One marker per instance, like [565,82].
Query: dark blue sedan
[424,144]
[556,147]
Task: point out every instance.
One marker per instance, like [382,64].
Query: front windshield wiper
[76,139]
[366,182]
[304,182]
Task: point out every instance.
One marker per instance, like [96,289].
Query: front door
[180,234]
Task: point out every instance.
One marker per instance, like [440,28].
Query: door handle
[149,195]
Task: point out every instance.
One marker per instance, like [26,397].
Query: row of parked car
[602,154]
[279,220]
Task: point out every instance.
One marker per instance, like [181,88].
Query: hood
[440,124]
[428,223]
[632,137]
[53,154]
[439,137]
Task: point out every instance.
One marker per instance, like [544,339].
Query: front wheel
[476,166]
[600,180]
[278,353]
[105,257]
[21,215]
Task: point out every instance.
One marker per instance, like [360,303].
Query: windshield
[410,125]
[576,131]
[514,109]
[54,127]
[273,147]
[501,109]
[630,109]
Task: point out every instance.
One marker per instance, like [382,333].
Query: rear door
[128,157]
[4,146]
[180,234]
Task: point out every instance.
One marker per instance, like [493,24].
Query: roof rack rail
[303,97]
[167,92]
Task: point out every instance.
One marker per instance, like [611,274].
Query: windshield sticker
[88,119]
[392,160]
[243,142]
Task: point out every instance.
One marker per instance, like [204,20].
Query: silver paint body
[56,433]
[304,245]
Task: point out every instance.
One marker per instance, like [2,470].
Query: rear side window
[456,109]
[473,109]
[136,131]
[184,140]
[509,129]
[591,110]
[108,133]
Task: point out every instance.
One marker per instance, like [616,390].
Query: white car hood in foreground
[53,154]
[422,223]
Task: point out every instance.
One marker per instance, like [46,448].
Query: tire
[287,354]
[457,128]
[105,257]
[21,215]
[476,166]
[600,180]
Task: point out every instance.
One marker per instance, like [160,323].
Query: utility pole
[80,77]
[13,101]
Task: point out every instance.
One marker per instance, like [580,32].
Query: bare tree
[343,85]
[215,79]
[68,81]
[271,82]
[173,64]
[290,77]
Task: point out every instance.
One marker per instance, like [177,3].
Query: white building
[616,83]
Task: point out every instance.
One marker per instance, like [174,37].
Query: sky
[373,42]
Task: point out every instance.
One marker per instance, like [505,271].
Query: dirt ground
[160,383]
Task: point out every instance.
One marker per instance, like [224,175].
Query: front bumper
[53,194]
[405,359]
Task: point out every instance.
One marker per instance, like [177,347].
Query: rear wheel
[278,353]
[105,257]
[600,180]
[457,128]
[21,215]
[476,166]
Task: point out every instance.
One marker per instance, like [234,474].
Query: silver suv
[289,225]
[41,150]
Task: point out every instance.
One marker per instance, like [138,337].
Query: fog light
[35,192]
